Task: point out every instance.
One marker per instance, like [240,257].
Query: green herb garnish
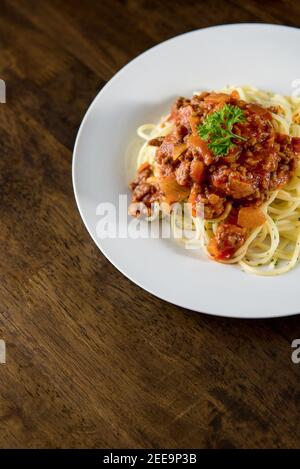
[217,129]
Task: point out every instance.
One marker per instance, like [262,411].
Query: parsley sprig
[217,129]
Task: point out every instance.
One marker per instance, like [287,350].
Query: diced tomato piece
[217,98]
[218,254]
[235,95]
[238,188]
[173,192]
[251,217]
[194,123]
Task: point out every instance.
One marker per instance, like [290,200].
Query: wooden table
[93,360]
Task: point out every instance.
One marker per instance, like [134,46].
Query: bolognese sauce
[230,169]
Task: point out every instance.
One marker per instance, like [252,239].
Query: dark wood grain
[92,360]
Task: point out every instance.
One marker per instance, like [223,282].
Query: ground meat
[179,103]
[164,153]
[232,183]
[143,173]
[144,193]
[183,116]
[156,142]
[166,168]
[296,145]
[141,191]
[182,173]
[214,205]
[228,239]
[136,209]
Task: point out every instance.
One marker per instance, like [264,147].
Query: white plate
[265,56]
